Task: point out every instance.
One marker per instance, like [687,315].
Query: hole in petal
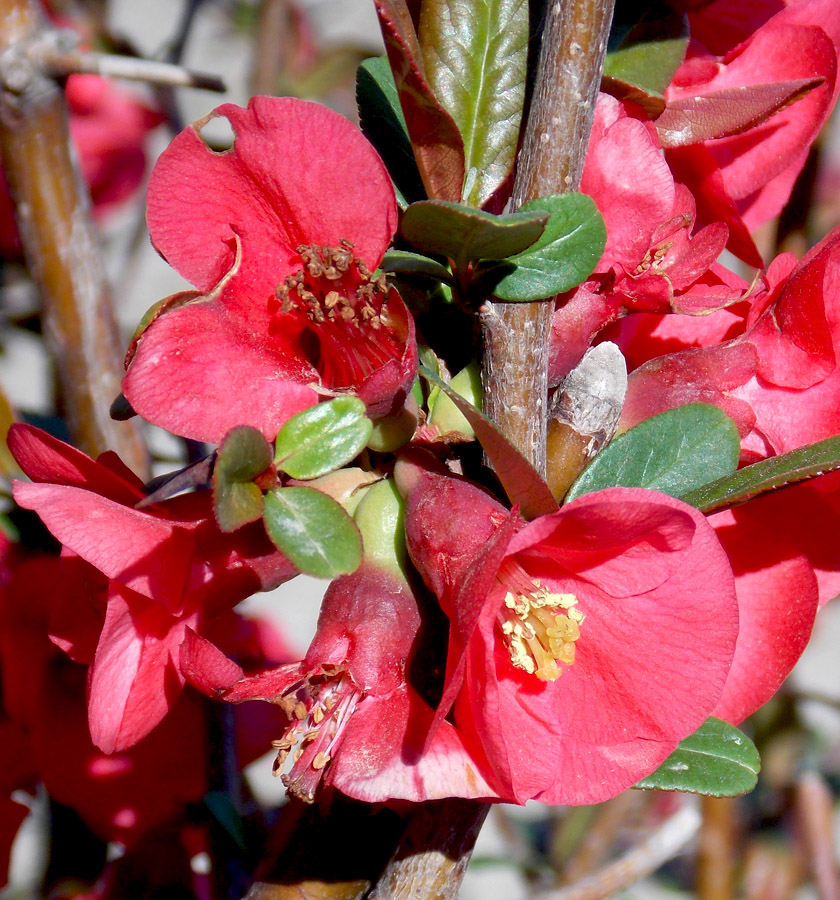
[217,134]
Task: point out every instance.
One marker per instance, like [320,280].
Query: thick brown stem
[432,857]
[516,335]
[60,241]
[326,855]
[433,854]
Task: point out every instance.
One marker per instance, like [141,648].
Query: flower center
[319,708]
[539,627]
[345,322]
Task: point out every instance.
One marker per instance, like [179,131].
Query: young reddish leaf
[313,531]
[717,760]
[519,478]
[650,101]
[476,60]
[438,146]
[730,111]
[464,234]
[243,456]
[322,438]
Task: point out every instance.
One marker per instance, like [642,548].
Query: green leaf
[313,531]
[243,455]
[383,124]
[673,452]
[521,481]
[565,254]
[717,760]
[647,49]
[476,57]
[463,234]
[767,475]
[322,438]
[401,262]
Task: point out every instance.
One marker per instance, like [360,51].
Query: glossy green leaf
[717,760]
[401,262]
[322,438]
[646,50]
[563,257]
[521,481]
[243,456]
[313,530]
[767,475]
[383,124]
[673,452]
[464,234]
[476,56]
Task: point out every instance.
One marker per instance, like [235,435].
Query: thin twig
[715,863]
[644,859]
[59,62]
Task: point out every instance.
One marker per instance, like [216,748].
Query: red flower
[585,644]
[356,717]
[651,262]
[121,796]
[280,235]
[133,580]
[770,364]
[745,179]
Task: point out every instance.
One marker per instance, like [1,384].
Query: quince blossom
[743,179]
[585,644]
[281,235]
[651,262]
[357,717]
[133,579]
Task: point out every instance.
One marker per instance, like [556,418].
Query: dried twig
[664,844]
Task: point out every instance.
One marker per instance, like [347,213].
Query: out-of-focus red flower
[587,643]
[108,127]
[356,720]
[121,796]
[744,179]
[280,235]
[133,580]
